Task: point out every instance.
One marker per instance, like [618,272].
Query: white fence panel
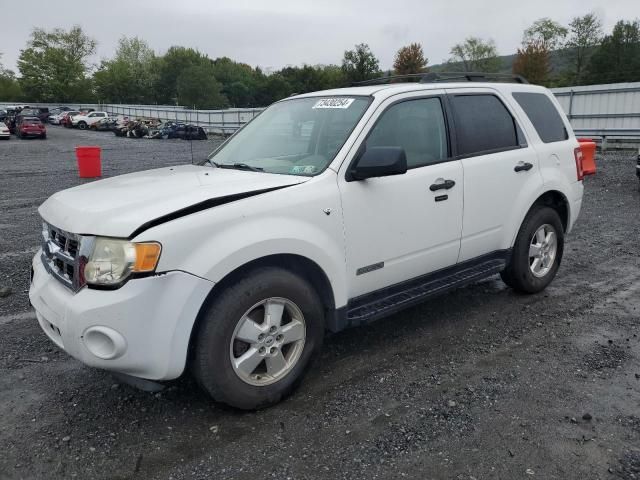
[611,110]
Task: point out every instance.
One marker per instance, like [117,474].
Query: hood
[120,206]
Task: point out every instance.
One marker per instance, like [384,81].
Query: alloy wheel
[542,250]
[268,341]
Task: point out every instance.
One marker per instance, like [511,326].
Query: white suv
[84,121]
[329,210]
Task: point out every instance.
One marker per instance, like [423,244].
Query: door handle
[523,166]
[443,185]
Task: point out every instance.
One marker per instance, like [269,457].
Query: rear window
[483,124]
[544,116]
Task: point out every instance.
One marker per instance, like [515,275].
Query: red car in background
[65,121]
[31,127]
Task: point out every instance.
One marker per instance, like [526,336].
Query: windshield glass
[294,137]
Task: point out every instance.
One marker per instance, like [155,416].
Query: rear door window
[544,116]
[483,124]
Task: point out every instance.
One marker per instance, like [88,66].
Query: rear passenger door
[501,170]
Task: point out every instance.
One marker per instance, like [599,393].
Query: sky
[276,33]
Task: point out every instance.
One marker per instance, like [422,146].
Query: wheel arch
[553,198]
[298,264]
[558,201]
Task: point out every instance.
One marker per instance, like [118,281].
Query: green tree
[332,76]
[239,81]
[197,86]
[546,32]
[617,59]
[9,86]
[304,79]
[170,66]
[360,64]
[54,65]
[475,55]
[532,62]
[410,59]
[130,76]
[586,33]
[272,88]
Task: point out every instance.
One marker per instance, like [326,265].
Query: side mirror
[379,162]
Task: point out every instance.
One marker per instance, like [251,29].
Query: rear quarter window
[543,115]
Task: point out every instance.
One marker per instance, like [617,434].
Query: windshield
[294,137]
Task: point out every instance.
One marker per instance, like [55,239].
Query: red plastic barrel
[588,147]
[89,164]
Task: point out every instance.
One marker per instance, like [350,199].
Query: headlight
[113,260]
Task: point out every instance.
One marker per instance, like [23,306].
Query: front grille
[60,256]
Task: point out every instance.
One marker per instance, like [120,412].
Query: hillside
[559,61]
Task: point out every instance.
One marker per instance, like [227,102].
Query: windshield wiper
[241,166]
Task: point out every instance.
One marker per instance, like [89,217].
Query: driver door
[404,226]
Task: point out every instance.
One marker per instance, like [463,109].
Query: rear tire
[537,252]
[235,326]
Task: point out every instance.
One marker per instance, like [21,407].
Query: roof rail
[435,77]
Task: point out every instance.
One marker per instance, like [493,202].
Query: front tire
[537,252]
[257,338]
[82,125]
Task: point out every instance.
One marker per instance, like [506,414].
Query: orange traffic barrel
[89,163]
[588,148]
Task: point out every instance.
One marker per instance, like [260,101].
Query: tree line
[55,66]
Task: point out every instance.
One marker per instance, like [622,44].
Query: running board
[389,300]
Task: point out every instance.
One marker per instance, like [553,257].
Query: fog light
[104,343]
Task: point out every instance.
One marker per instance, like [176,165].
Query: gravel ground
[480,383]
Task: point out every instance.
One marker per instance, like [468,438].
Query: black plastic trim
[198,207]
[391,299]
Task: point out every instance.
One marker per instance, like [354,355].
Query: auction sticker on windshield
[339,102]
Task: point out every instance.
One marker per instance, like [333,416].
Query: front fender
[238,246]
[215,242]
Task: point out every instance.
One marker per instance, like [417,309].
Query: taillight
[577,152]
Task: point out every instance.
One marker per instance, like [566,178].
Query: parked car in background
[83,121]
[65,120]
[31,127]
[104,124]
[3,115]
[54,118]
[4,131]
[184,131]
[10,120]
[43,114]
[27,112]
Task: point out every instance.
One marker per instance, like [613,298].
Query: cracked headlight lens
[113,260]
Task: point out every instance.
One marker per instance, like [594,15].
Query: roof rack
[435,77]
